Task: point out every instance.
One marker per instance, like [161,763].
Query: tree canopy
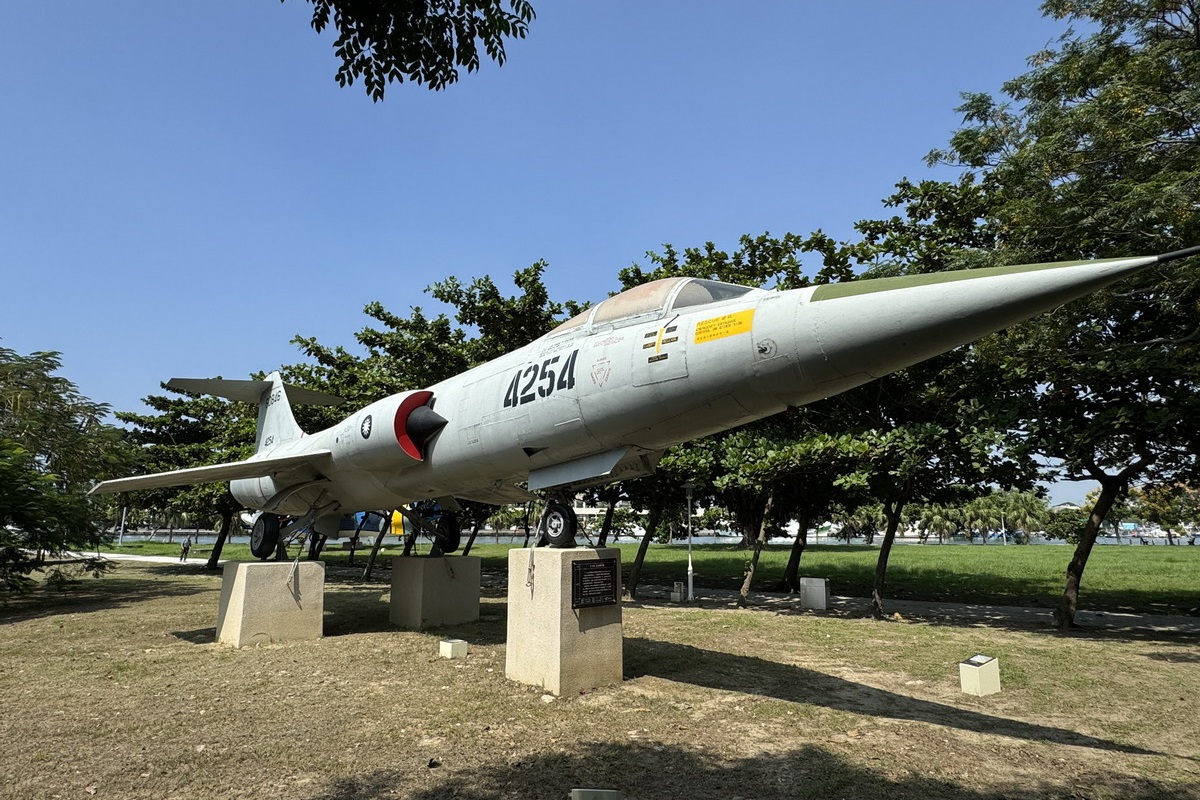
[1096,153]
[53,444]
[425,42]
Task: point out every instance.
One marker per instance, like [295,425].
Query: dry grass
[119,690]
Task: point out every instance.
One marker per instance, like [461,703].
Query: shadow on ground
[645,770]
[87,595]
[751,675]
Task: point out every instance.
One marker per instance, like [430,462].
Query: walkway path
[861,606]
[938,611]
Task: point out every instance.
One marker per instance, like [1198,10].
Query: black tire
[561,524]
[448,533]
[264,536]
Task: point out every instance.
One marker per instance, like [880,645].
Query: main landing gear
[264,536]
[439,525]
[559,525]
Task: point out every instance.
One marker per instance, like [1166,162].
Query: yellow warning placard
[708,330]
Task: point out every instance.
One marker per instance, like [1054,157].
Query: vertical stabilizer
[276,424]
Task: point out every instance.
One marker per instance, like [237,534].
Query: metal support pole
[688,487]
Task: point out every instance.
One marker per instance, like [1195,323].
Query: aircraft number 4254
[541,380]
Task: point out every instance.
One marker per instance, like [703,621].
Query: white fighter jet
[600,397]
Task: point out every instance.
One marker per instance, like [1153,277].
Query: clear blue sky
[184,187]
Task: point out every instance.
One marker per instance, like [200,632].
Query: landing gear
[559,524]
[264,536]
[447,533]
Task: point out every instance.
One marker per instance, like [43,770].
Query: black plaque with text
[593,583]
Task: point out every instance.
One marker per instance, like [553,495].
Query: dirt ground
[118,689]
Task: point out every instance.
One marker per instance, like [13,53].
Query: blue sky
[184,187]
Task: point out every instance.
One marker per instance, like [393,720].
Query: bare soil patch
[118,689]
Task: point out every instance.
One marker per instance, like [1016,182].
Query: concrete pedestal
[814,593]
[271,601]
[432,592]
[562,649]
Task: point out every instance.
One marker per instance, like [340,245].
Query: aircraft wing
[252,468]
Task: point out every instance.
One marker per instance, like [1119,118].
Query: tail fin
[276,423]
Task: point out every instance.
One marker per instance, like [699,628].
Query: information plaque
[593,583]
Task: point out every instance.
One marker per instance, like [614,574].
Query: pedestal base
[562,649]
[263,602]
[431,592]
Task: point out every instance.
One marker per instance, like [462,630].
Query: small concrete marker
[454,648]
[678,595]
[814,594]
[979,675]
[595,794]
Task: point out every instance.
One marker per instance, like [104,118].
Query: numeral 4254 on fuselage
[554,374]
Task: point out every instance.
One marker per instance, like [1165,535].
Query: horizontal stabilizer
[253,468]
[247,391]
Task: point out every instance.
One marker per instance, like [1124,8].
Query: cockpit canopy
[654,299]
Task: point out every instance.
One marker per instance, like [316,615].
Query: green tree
[53,445]
[1096,154]
[931,433]
[425,42]
[804,468]
[1173,507]
[938,519]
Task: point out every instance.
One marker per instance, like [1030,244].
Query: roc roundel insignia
[365,428]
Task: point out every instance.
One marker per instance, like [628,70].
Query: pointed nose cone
[422,424]
[866,329]
[416,423]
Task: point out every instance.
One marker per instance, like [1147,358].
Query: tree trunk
[635,569]
[471,538]
[525,524]
[891,512]
[316,544]
[215,556]
[384,531]
[791,574]
[1064,614]
[759,541]
[602,541]
[748,514]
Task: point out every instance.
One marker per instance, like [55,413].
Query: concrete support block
[979,675]
[436,591]
[453,648]
[551,644]
[814,593]
[271,601]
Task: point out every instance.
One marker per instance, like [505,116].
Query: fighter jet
[599,398]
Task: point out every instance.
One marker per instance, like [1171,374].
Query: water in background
[367,539]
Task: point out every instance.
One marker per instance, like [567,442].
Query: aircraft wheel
[448,533]
[264,536]
[561,524]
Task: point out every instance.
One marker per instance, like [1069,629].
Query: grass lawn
[118,689]
[1153,580]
